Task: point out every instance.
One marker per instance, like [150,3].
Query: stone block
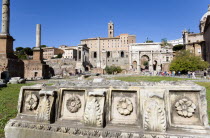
[113,109]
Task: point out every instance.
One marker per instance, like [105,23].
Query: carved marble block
[111,109]
[94,110]
[45,111]
[72,104]
[124,106]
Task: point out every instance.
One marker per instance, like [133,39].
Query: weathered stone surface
[111,108]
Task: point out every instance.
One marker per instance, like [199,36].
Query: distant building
[110,50]
[206,32]
[194,42]
[50,52]
[70,53]
[198,43]
[150,57]
[176,42]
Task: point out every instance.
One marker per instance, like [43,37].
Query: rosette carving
[73,104]
[185,108]
[125,106]
[31,102]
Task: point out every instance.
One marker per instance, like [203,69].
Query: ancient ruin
[111,109]
[10,65]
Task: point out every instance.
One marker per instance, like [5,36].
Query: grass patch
[149,78]
[207,85]
[8,104]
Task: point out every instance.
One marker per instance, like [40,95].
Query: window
[167,59]
[108,54]
[122,54]
[94,54]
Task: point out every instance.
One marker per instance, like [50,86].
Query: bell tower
[110,29]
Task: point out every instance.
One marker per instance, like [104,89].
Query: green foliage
[149,78]
[146,63]
[8,104]
[178,47]
[22,56]
[60,55]
[18,49]
[28,51]
[149,41]
[23,53]
[43,46]
[186,61]
[113,69]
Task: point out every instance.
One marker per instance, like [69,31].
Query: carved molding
[88,132]
[31,102]
[92,115]
[125,106]
[73,104]
[185,108]
[155,119]
[43,113]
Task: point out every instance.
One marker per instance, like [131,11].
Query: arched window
[108,54]
[95,55]
[122,54]
[110,27]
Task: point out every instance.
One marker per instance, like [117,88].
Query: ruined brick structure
[36,68]
[10,66]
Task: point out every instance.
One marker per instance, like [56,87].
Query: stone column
[5,17]
[38,35]
[98,54]
[77,54]
[151,62]
[138,63]
[82,55]
[130,57]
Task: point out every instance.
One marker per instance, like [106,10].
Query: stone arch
[144,62]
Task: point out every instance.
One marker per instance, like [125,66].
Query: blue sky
[66,22]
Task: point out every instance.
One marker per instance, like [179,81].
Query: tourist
[188,74]
[193,75]
[204,74]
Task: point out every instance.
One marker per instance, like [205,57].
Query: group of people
[169,73]
[190,74]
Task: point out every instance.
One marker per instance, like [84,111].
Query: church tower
[110,29]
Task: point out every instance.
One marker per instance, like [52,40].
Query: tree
[186,61]
[149,41]
[28,51]
[178,47]
[60,55]
[43,46]
[18,49]
[113,69]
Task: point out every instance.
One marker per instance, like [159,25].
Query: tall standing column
[38,35]
[5,17]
